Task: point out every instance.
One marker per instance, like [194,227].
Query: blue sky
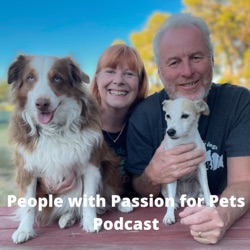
[80,28]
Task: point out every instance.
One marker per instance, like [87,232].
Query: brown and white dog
[56,130]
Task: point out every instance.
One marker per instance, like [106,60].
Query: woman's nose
[119,78]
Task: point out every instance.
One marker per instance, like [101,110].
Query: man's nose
[187,69]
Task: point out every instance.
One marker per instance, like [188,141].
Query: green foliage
[7,170]
[4,91]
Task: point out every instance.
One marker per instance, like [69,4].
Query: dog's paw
[66,220]
[125,206]
[89,227]
[21,235]
[168,220]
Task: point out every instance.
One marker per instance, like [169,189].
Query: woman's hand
[49,187]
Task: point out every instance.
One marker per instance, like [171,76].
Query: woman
[120,82]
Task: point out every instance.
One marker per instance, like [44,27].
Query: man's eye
[173,64]
[197,58]
[184,116]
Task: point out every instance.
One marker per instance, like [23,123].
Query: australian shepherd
[55,130]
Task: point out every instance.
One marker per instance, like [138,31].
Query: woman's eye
[129,74]
[110,71]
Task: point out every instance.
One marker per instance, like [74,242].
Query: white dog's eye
[184,116]
[168,116]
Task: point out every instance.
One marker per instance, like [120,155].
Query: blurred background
[84,29]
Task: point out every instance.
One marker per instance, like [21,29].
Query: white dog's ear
[202,107]
[165,103]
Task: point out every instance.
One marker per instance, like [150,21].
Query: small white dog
[182,117]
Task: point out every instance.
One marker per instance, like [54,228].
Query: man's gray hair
[181,20]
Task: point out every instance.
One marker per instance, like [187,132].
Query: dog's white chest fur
[52,154]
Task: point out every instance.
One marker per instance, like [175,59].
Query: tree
[143,42]
[118,41]
[229,22]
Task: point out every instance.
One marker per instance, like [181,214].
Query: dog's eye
[168,116]
[30,78]
[184,116]
[57,79]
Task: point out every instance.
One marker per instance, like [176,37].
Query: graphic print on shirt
[214,161]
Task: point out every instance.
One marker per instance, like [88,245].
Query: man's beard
[201,95]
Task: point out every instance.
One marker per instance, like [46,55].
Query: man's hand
[167,166]
[205,223]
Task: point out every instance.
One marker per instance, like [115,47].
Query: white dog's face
[182,115]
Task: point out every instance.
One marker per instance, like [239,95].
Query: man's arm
[214,222]
[167,166]
[238,187]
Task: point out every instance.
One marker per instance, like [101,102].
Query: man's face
[185,63]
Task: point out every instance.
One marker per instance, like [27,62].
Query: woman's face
[118,87]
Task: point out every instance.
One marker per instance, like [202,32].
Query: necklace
[118,136]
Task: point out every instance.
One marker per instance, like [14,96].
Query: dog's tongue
[45,118]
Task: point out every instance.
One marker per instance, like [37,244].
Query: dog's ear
[202,107]
[165,104]
[77,74]
[16,68]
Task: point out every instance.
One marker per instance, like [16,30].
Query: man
[184,56]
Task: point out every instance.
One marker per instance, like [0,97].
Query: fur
[56,129]
[182,116]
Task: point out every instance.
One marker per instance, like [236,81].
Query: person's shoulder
[152,100]
[228,89]
[227,97]
[150,106]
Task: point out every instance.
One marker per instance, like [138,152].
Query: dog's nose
[42,104]
[171,132]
